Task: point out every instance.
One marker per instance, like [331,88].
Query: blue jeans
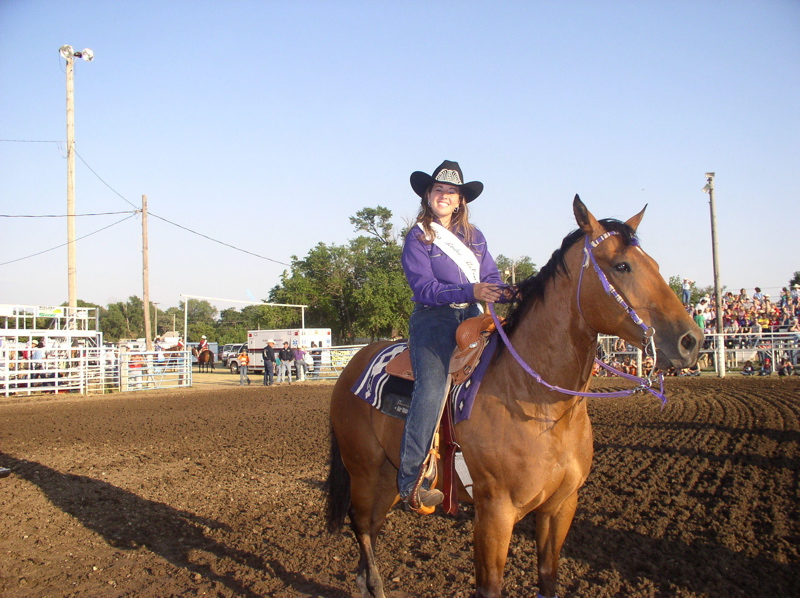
[285,369]
[687,294]
[301,368]
[269,373]
[243,377]
[432,339]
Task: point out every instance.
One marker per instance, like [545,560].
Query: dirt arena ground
[216,491]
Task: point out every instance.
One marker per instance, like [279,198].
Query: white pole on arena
[69,54]
[148,335]
[709,188]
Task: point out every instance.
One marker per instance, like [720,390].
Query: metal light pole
[68,53]
[709,188]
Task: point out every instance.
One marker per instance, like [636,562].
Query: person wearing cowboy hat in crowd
[449,268]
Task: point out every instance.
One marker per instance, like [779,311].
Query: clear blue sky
[266,125]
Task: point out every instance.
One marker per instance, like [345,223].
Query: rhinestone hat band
[449,176]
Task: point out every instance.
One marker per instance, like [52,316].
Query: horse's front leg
[494,522]
[551,531]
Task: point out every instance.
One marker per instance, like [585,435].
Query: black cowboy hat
[447,172]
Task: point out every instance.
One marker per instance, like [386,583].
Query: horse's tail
[337,488]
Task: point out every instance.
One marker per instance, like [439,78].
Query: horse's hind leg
[370,504]
[551,531]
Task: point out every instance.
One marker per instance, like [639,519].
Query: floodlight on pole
[69,55]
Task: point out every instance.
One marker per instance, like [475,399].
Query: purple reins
[648,337]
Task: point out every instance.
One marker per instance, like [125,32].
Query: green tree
[358,290]
[123,320]
[201,319]
[231,327]
[377,222]
[795,279]
[517,270]
[173,319]
[382,293]
[324,281]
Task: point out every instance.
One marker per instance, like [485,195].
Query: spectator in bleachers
[786,298]
[748,369]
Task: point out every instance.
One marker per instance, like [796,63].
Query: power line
[117,193]
[31,141]
[217,241]
[178,225]
[102,181]
[64,244]
[65,215]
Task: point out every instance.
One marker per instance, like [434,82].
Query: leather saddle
[472,336]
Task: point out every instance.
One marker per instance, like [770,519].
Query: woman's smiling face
[443,200]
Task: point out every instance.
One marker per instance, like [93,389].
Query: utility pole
[155,313]
[69,55]
[709,188]
[148,335]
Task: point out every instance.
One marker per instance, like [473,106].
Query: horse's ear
[634,221]
[587,223]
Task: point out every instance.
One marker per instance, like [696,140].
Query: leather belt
[460,305]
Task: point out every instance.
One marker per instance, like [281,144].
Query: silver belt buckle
[459,305]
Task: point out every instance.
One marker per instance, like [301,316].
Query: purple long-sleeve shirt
[436,279]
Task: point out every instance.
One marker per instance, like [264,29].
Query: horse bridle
[648,332]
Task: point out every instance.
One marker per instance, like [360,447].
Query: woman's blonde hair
[459,221]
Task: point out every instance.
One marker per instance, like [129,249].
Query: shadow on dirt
[130,522]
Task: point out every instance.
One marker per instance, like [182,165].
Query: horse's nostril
[688,342]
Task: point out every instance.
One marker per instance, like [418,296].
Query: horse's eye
[622,267]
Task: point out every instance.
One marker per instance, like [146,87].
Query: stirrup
[427,471]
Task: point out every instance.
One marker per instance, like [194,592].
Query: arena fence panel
[148,370]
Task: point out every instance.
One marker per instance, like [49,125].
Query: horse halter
[648,336]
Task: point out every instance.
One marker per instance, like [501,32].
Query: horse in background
[528,449]
[204,359]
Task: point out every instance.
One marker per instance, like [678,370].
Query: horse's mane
[533,288]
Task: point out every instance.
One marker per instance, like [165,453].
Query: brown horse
[204,359]
[527,448]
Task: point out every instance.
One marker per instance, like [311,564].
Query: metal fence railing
[91,370]
[148,370]
[737,349]
[81,369]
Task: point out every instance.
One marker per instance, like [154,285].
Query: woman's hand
[486,291]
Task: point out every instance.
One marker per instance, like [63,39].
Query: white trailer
[296,337]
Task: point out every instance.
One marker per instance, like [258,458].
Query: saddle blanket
[392,395]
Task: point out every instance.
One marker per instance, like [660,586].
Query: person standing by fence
[300,363]
[316,357]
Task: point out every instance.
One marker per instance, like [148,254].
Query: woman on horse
[449,269]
